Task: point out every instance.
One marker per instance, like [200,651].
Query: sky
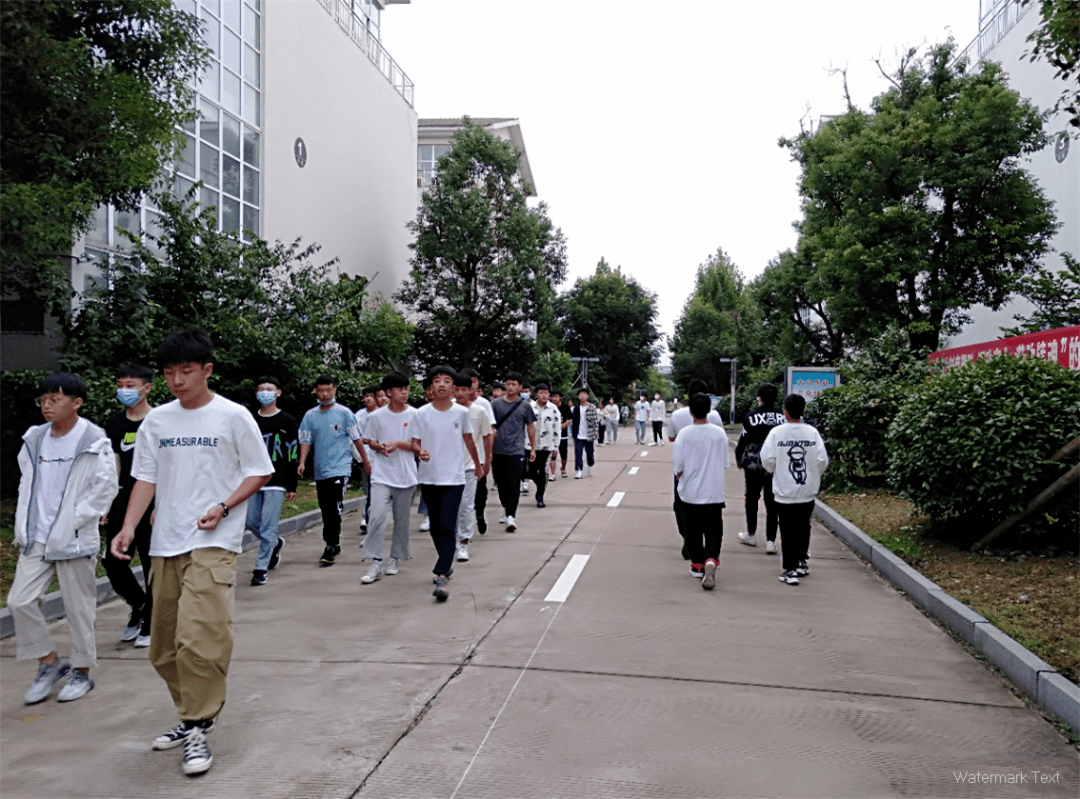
[652,128]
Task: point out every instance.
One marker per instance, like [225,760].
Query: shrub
[972,445]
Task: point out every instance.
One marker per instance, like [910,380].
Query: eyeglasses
[53,399]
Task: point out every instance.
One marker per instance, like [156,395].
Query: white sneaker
[524,487]
[78,685]
[425,525]
[511,525]
[391,567]
[577,474]
[372,574]
[808,553]
[463,552]
[142,641]
[502,519]
[749,540]
[770,547]
[590,470]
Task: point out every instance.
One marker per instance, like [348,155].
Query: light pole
[584,361]
[733,362]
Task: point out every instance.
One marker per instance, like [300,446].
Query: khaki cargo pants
[191,627]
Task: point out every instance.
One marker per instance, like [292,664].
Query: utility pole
[584,368]
[733,362]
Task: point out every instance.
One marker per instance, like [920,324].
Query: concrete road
[632,683]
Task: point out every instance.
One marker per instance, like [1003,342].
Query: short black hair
[471,373]
[795,404]
[325,380]
[186,345]
[497,384]
[542,387]
[369,390]
[269,379]
[697,386]
[555,393]
[526,384]
[64,383]
[136,370]
[394,380]
[583,389]
[442,369]
[462,380]
[700,405]
[767,392]
[514,376]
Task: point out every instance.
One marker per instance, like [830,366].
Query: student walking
[548,422]
[611,414]
[566,418]
[280,434]
[330,428]
[756,427]
[679,419]
[483,440]
[794,453]
[441,428]
[389,432]
[699,458]
[67,482]
[481,481]
[202,457]
[134,382]
[514,419]
[641,418]
[584,424]
[371,404]
[657,411]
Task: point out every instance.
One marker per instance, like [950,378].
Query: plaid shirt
[592,420]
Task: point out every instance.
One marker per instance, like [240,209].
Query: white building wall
[1060,180]
[357,189]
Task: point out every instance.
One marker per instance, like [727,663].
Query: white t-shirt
[481,426]
[55,459]
[398,469]
[641,410]
[196,459]
[442,434]
[483,403]
[683,418]
[701,455]
[657,410]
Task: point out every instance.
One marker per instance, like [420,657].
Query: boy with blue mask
[134,382]
[280,433]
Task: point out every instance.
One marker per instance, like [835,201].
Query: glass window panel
[251,105]
[251,185]
[441,150]
[230,50]
[94,275]
[230,91]
[230,135]
[230,176]
[251,219]
[209,83]
[230,14]
[99,226]
[129,221]
[187,6]
[251,27]
[189,125]
[230,215]
[209,198]
[251,146]
[209,165]
[187,157]
[181,187]
[154,231]
[212,5]
[208,122]
[251,65]
[211,33]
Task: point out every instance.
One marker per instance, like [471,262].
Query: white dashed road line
[561,590]
[633,470]
[616,499]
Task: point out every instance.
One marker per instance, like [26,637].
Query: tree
[610,316]
[555,368]
[91,93]
[920,209]
[1056,297]
[1057,40]
[483,262]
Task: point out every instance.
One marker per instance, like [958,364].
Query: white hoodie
[794,453]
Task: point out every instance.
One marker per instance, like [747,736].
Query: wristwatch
[226,509]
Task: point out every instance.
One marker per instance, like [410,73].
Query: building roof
[459,122]
[511,125]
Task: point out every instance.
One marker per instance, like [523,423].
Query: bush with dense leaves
[973,445]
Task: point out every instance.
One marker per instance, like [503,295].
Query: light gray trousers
[386,503]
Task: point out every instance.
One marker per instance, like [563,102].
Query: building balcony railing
[994,31]
[356,27]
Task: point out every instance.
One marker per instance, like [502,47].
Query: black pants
[658,432]
[704,531]
[758,483]
[506,472]
[481,504]
[794,531]
[538,472]
[121,578]
[680,512]
[443,503]
[564,447]
[331,493]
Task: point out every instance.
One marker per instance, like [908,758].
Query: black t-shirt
[121,432]
[279,432]
[567,415]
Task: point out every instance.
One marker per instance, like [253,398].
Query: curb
[53,605]
[1026,670]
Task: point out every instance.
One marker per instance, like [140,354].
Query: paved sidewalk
[639,684]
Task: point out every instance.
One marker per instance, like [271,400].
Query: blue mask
[266,397]
[330,401]
[129,397]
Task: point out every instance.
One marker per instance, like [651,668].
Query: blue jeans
[579,445]
[640,429]
[263,516]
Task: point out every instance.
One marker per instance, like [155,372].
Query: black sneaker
[697,570]
[802,570]
[440,593]
[328,556]
[258,577]
[790,578]
[175,736]
[197,757]
[540,503]
[275,556]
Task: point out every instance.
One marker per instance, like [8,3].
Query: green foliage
[556,369]
[1056,297]
[973,445]
[610,316]
[921,208]
[1057,40]
[483,262]
[91,94]
[655,381]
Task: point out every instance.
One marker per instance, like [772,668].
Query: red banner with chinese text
[1061,345]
